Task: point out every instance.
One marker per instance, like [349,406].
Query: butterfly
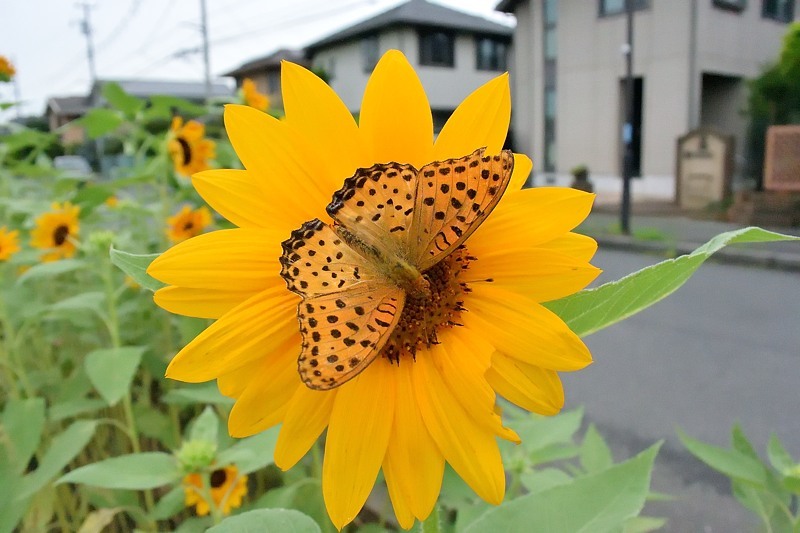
[391,223]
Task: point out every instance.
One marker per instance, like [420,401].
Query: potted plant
[580,180]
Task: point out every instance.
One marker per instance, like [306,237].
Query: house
[266,73]
[453,53]
[193,91]
[60,111]
[691,62]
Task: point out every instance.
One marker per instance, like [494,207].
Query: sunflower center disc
[60,235]
[422,317]
[217,478]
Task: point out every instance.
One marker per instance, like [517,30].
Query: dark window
[780,10]
[436,48]
[491,54]
[730,5]
[615,7]
[273,82]
[370,53]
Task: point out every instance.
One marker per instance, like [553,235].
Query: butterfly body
[378,276]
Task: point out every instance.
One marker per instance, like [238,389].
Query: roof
[417,13]
[68,105]
[272,60]
[506,6]
[190,90]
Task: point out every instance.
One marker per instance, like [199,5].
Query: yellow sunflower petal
[396,122]
[522,169]
[233,383]
[199,303]
[261,326]
[523,329]
[237,196]
[358,434]
[281,158]
[318,114]
[413,466]
[264,401]
[306,418]
[534,216]
[470,449]
[538,273]
[530,387]
[579,246]
[480,120]
[234,259]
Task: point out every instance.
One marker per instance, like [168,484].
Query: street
[724,348]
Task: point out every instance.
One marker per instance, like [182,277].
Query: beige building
[266,73]
[691,60]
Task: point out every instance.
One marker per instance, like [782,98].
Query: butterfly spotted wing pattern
[453,198]
[348,311]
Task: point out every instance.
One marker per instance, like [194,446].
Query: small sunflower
[112,201]
[9,243]
[56,231]
[188,147]
[7,70]
[227,489]
[188,223]
[252,97]
[419,404]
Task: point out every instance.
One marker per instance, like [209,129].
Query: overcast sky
[161,38]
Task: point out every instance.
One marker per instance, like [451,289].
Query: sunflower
[227,488]
[187,223]
[57,231]
[9,243]
[7,70]
[252,97]
[188,147]
[405,413]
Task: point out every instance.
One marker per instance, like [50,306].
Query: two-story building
[691,62]
[453,53]
[266,73]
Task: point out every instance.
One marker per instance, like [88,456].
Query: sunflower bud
[195,455]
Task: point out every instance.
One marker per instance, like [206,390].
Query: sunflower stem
[432,524]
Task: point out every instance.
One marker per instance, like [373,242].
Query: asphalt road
[724,348]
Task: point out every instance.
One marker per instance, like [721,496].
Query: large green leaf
[135,265]
[100,121]
[63,449]
[123,101]
[778,456]
[111,370]
[595,454]
[594,309]
[137,471]
[732,463]
[267,521]
[205,426]
[591,504]
[252,453]
[20,433]
[87,301]
[54,268]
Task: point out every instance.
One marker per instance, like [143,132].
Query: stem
[11,362]
[316,472]
[432,524]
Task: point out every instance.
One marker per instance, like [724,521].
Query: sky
[161,39]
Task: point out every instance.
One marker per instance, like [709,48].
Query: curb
[760,258]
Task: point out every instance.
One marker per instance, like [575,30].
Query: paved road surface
[724,348]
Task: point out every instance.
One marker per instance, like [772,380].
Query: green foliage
[136,471]
[111,370]
[771,489]
[135,265]
[268,521]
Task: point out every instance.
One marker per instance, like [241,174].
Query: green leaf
[778,456]
[135,265]
[595,454]
[595,503]
[21,431]
[205,393]
[137,471]
[252,453]
[63,449]
[111,370]
[162,105]
[71,408]
[538,432]
[205,427]
[643,524]
[594,309]
[732,463]
[54,268]
[123,101]
[741,443]
[267,521]
[100,121]
[544,479]
[97,521]
[170,504]
[87,301]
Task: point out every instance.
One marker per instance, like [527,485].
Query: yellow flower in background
[56,231]
[188,147]
[188,223]
[252,97]
[112,201]
[227,488]
[9,243]
[452,331]
[7,70]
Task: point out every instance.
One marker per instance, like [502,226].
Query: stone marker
[704,161]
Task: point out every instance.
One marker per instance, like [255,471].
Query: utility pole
[627,127]
[206,60]
[86,29]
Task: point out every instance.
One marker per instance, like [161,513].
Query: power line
[122,24]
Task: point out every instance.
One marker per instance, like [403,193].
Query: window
[370,53]
[730,5]
[436,48]
[491,54]
[273,82]
[615,7]
[780,10]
